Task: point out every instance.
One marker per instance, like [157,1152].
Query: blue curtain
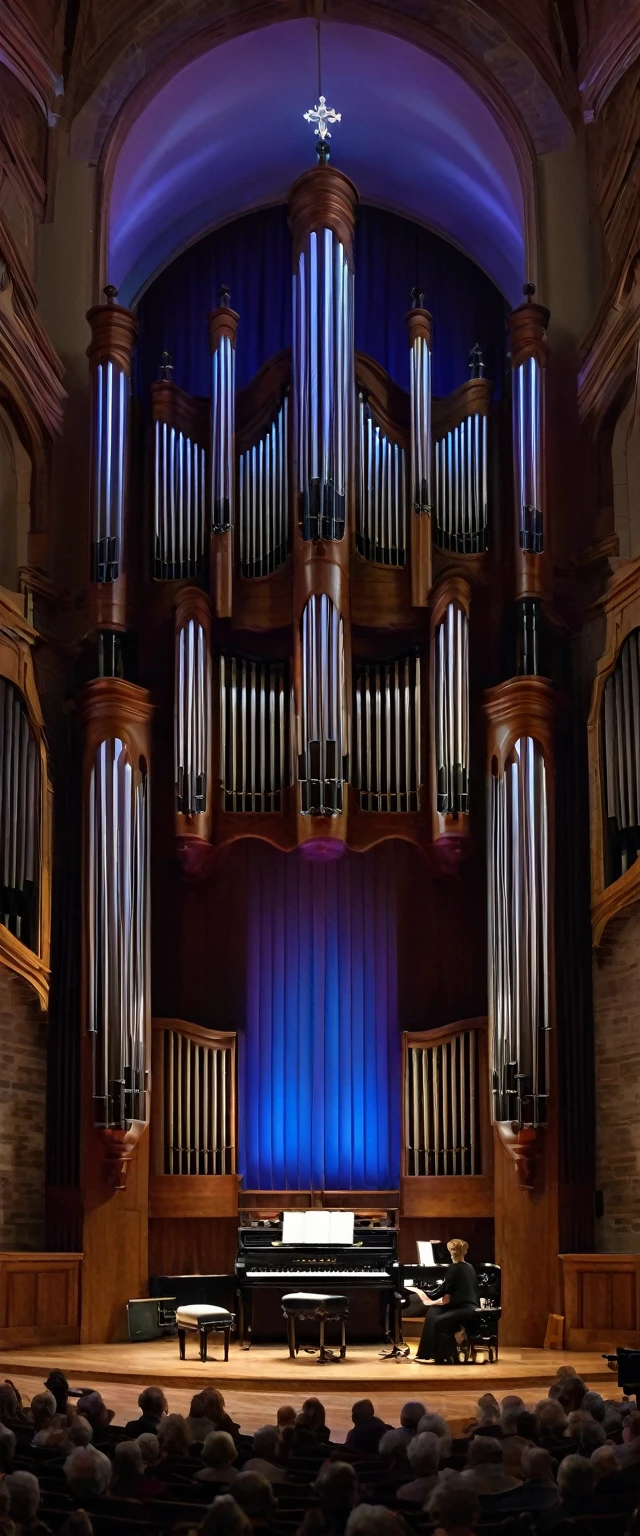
[253,257]
[320,1061]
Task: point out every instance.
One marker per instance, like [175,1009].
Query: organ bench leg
[181,1339]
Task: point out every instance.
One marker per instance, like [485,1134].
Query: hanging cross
[322,115]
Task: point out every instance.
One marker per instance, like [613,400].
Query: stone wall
[23,1047]
[616,986]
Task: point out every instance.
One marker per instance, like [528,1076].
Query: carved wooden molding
[523,706]
[525,1146]
[174,406]
[621,607]
[222,322]
[258,402]
[323,198]
[469,399]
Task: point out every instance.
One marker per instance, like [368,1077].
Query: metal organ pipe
[621,733]
[387,734]
[20,818]
[519,936]
[118,989]
[528,385]
[323,761]
[254,730]
[419,322]
[114,331]
[441,1089]
[192,719]
[179,501]
[263,499]
[323,372]
[461,479]
[381,531]
[452,712]
[223,324]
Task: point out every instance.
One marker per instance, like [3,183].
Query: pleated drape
[320,1061]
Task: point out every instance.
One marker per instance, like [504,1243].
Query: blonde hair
[457,1247]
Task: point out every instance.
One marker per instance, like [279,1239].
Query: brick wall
[617,1051]
[23,1037]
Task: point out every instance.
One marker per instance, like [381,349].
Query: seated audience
[410,1417]
[255,1496]
[629,1451]
[313,1416]
[7,1527]
[225,1518]
[78,1431]
[433,1423]
[57,1384]
[198,1419]
[603,1461]
[92,1407]
[153,1404]
[216,1411]
[9,1407]
[128,1471]
[576,1481]
[454,1507]
[7,1448]
[372,1520]
[423,1456]
[336,1489]
[393,1447]
[87,1472]
[175,1438]
[484,1470]
[43,1412]
[24,1502]
[218,1455]
[267,1460]
[286,1417]
[367,1430]
[537,1492]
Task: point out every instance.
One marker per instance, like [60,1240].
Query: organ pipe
[386,734]
[223,325]
[441,1089]
[263,498]
[452,711]
[180,532]
[20,818]
[461,465]
[381,528]
[419,329]
[255,733]
[114,331]
[322,731]
[529,351]
[322,206]
[621,742]
[519,939]
[192,718]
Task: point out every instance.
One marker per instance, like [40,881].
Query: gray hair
[225,1518]
[575,1475]
[219,1449]
[267,1441]
[436,1425]
[594,1404]
[87,1471]
[411,1415]
[336,1485]
[372,1520]
[149,1448]
[80,1431]
[392,1440]
[24,1492]
[42,1404]
[127,1458]
[423,1453]
[536,1465]
[484,1451]
[591,1437]
[254,1494]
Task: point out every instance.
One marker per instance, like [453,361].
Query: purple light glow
[226,134]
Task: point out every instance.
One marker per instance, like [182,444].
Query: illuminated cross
[322,115]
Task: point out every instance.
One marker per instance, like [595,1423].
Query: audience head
[92,1406]
[603,1461]
[591,1437]
[594,1404]
[254,1494]
[575,1476]
[175,1436]
[527,1425]
[7,1447]
[198,1407]
[57,1383]
[8,1402]
[488,1410]
[88,1472]
[362,1410]
[226,1518]
[286,1417]
[219,1449]
[336,1486]
[423,1454]
[43,1409]
[267,1443]
[313,1414]
[213,1404]
[24,1496]
[77,1524]
[393,1443]
[631,1429]
[79,1431]
[372,1520]
[149,1448]
[576,1422]
[436,1425]
[570,1391]
[454,1506]
[153,1403]
[536,1465]
[411,1415]
[128,1465]
[552,1419]
[513,1449]
[484,1451]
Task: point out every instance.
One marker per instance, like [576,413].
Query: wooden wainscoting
[601,1299]
[39,1298]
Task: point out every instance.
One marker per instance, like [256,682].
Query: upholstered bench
[307,1306]
[204,1320]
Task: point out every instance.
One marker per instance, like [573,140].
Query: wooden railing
[447,1142]
[193,1121]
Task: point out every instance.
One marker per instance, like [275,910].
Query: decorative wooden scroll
[26,805]
[193,1121]
[447,1144]
[116,717]
[113,335]
[614,754]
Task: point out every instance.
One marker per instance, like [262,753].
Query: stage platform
[266,1368]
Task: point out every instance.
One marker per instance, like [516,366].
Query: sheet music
[425,1254]
[319,1227]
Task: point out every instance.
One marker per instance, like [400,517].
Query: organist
[448,1307]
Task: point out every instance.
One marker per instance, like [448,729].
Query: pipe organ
[443,1092]
[451,662]
[323,375]
[381,532]
[263,498]
[20,814]
[255,734]
[322,728]
[113,334]
[621,740]
[194,1090]
[180,534]
[387,734]
[192,717]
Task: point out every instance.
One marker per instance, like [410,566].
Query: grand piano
[367,1271]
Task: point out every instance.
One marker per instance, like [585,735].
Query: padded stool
[481,1333]
[307,1306]
[204,1320]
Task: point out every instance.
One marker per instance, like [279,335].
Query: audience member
[57,1384]
[92,1407]
[24,1502]
[313,1416]
[8,1403]
[153,1404]
[218,1454]
[286,1417]
[372,1520]
[175,1437]
[225,1518]
[336,1489]
[255,1496]
[43,1411]
[367,1430]
[423,1456]
[410,1416]
[433,1423]
[79,1430]
[7,1527]
[484,1470]
[454,1507]
[267,1459]
[7,1448]
[128,1470]
[576,1481]
[88,1472]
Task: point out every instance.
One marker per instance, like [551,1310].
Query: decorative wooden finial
[528,291]
[166,366]
[476,362]
[417,298]
[110,293]
[223,296]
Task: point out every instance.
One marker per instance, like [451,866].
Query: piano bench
[307,1306]
[204,1320]
[481,1334]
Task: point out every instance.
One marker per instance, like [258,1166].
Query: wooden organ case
[320,587]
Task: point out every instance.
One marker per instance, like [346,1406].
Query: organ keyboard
[264,1262]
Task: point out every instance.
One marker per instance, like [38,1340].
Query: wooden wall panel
[191,1246]
[476,1231]
[39,1298]
[601,1300]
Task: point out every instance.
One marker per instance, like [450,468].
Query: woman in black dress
[454,1300]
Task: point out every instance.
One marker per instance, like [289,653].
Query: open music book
[317,1227]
